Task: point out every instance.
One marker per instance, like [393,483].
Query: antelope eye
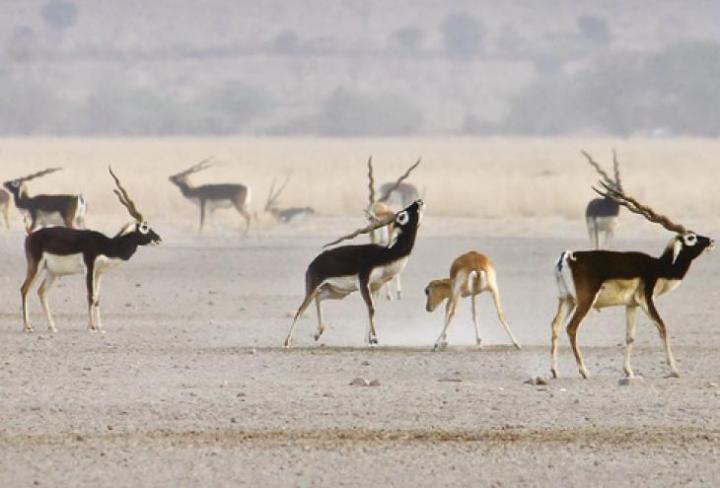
[690,239]
[144,228]
[402,218]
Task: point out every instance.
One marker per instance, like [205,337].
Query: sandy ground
[189,386]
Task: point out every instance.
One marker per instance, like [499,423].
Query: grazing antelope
[602,279]
[59,251]
[213,196]
[284,215]
[45,209]
[470,274]
[379,209]
[337,272]
[601,214]
[5,207]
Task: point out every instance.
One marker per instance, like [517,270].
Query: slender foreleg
[43,290]
[321,325]
[364,282]
[450,310]
[90,276]
[630,320]
[650,309]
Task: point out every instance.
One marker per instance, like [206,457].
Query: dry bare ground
[189,386]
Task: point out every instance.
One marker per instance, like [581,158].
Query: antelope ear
[677,247]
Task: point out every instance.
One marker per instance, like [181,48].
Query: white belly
[630,292]
[64,265]
[341,286]
[74,264]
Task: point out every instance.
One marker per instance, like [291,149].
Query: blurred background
[359,67]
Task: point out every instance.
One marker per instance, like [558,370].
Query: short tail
[563,275]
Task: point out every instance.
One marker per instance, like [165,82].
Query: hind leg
[42,294]
[649,308]
[310,294]
[501,315]
[565,306]
[321,325]
[476,320]
[585,300]
[248,218]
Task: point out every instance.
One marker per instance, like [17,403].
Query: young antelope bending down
[470,274]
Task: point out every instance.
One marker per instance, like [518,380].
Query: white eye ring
[690,239]
[144,228]
[402,218]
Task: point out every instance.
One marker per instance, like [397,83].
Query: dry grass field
[189,386]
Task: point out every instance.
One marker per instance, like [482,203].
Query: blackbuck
[379,209]
[213,196]
[601,214]
[60,251]
[5,207]
[42,210]
[600,279]
[340,271]
[470,274]
[284,215]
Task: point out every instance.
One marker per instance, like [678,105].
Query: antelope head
[140,226]
[182,176]
[15,185]
[685,246]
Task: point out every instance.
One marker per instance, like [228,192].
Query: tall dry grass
[481,177]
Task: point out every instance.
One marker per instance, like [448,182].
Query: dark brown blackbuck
[601,279]
[378,209]
[213,196]
[601,214]
[470,274]
[42,210]
[284,215]
[340,271]
[60,251]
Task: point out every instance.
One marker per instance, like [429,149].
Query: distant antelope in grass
[5,207]
[379,209]
[602,279]
[59,251]
[45,209]
[284,215]
[340,271]
[213,196]
[601,214]
[470,274]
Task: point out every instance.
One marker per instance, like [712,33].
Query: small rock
[359,382]
[240,395]
[365,363]
[252,351]
[630,381]
[450,380]
[233,420]
[375,382]
[537,381]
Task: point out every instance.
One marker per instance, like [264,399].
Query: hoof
[674,374]
[28,330]
[373,341]
[554,373]
[517,346]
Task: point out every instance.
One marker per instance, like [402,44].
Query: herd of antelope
[58,244]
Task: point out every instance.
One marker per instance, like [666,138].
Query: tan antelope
[601,214]
[213,196]
[5,207]
[470,274]
[284,215]
[601,279]
[378,210]
[68,210]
